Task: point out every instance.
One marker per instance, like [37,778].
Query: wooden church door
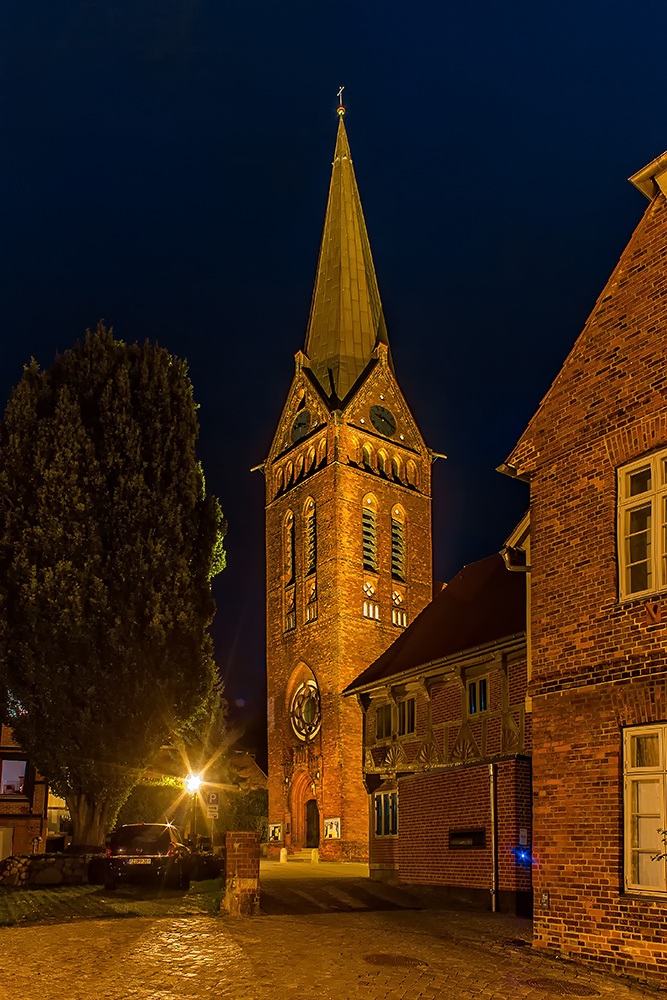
[312,824]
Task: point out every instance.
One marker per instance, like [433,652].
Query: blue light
[522,855]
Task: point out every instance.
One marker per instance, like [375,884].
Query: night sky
[166,166]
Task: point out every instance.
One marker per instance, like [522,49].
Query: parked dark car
[145,851]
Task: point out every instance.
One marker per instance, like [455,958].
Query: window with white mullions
[642,526]
[645,780]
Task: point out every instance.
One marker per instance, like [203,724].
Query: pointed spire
[346,321]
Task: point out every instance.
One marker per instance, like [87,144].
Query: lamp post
[192,784]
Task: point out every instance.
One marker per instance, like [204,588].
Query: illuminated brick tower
[348,538]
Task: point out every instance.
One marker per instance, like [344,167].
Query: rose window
[305,712]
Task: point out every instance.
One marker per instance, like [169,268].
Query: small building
[595,455]
[23,801]
[447,742]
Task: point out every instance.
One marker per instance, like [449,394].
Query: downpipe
[494,836]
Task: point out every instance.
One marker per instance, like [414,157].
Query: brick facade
[337,642]
[456,765]
[432,804]
[22,814]
[599,663]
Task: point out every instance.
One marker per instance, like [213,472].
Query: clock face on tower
[383,420]
[301,425]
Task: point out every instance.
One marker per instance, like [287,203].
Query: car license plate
[138,861]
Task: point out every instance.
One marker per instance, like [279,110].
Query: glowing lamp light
[523,856]
[192,783]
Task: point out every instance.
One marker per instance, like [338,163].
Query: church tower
[348,538]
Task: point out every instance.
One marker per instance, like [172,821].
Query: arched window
[298,467]
[322,451]
[289,472]
[367,457]
[398,558]
[369,534]
[279,481]
[310,461]
[411,473]
[289,548]
[382,463]
[310,536]
[396,468]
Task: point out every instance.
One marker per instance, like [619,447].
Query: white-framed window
[642,526]
[383,722]
[477,695]
[12,776]
[406,716]
[386,814]
[645,793]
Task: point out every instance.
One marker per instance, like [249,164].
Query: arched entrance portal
[305,812]
[312,824]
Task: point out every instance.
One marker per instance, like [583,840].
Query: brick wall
[431,804]
[578,817]
[598,663]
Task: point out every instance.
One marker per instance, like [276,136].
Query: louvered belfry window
[369,530]
[397,549]
[311,538]
[289,549]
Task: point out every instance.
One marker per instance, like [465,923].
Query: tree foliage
[107,545]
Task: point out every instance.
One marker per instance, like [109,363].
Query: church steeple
[346,320]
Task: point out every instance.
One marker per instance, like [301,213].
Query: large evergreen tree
[108,542]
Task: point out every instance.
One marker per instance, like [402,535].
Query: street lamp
[192,783]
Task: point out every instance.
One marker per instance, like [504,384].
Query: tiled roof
[484,603]
[346,321]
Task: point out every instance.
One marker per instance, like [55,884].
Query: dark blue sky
[166,166]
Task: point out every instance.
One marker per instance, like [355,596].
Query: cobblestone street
[322,952]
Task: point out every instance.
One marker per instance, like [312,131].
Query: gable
[380,389]
[616,370]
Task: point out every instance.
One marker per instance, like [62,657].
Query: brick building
[23,801]
[348,538]
[595,455]
[447,741]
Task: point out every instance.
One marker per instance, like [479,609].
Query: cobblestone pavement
[318,953]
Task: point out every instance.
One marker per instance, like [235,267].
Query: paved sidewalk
[319,954]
